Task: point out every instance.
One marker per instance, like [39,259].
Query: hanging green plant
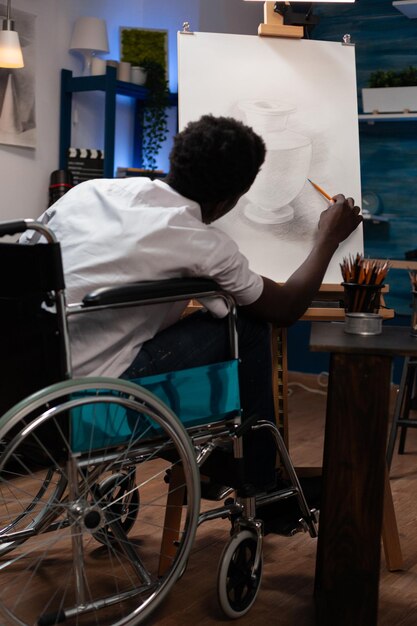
[147,48]
[155,116]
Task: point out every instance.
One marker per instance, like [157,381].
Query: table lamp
[89,37]
[10,50]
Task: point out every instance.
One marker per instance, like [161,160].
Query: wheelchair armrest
[12,227]
[170,289]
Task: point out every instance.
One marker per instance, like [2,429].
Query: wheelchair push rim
[102,558]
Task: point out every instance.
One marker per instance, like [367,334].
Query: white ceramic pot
[98,66]
[138,75]
[123,71]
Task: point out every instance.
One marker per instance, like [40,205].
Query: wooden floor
[286,595]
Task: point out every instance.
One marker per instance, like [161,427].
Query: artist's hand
[284,304]
[339,220]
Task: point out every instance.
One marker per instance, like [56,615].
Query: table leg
[390,537]
[349,543]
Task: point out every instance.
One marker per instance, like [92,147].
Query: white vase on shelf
[389,99]
[98,66]
[138,75]
[124,71]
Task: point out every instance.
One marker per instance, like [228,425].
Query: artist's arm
[283,305]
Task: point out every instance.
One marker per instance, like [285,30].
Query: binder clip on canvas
[186,29]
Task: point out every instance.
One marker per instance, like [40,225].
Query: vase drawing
[285,169]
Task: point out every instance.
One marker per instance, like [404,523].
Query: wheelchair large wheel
[237,583]
[94,534]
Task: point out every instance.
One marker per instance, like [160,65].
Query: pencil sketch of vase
[286,165]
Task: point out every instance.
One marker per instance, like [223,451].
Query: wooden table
[349,544]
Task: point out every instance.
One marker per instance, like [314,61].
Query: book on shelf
[127,172]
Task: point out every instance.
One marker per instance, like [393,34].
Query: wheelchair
[100,477]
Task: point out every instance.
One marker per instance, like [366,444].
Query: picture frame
[17,88]
[139,46]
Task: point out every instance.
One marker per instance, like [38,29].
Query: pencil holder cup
[414,314]
[361,298]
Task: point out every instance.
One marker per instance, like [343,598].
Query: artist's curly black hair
[215,158]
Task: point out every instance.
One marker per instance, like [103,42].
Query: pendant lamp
[10,50]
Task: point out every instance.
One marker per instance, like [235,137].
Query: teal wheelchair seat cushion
[197,396]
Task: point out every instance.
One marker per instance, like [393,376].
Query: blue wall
[384,39]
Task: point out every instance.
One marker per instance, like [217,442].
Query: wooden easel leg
[172,523]
[280,380]
[390,537]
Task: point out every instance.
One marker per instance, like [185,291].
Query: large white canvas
[223,75]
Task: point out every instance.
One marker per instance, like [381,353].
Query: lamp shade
[10,50]
[90,33]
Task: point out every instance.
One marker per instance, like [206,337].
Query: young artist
[126,230]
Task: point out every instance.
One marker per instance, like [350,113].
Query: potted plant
[147,48]
[391,91]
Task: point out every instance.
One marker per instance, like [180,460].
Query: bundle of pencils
[363,279]
[413,278]
[357,269]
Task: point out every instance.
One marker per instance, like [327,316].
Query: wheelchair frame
[97,500]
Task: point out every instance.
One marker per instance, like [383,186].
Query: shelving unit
[111,87]
[387,117]
[407,7]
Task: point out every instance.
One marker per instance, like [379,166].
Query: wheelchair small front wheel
[237,583]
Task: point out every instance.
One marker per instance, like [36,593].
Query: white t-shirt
[116,231]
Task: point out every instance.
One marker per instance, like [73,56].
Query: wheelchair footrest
[214,492]
[282,517]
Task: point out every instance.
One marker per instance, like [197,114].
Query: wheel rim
[241,586]
[30,513]
[119,580]
[238,585]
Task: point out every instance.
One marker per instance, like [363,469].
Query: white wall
[230,16]
[24,173]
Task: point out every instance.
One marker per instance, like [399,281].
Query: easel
[274,26]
